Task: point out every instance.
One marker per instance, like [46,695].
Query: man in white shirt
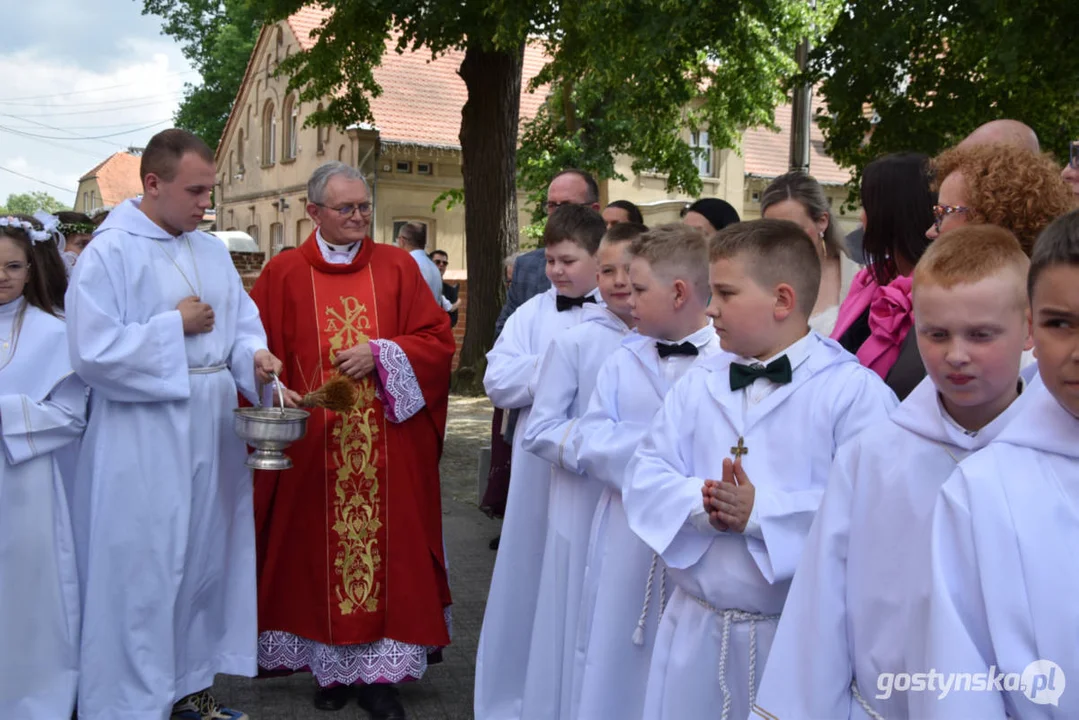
[412,237]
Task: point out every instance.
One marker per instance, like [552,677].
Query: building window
[292,116]
[423,168]
[702,153]
[342,154]
[93,200]
[403,166]
[269,135]
[240,153]
[277,237]
[398,224]
[253,231]
[86,201]
[320,134]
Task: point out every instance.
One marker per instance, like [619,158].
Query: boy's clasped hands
[729,501]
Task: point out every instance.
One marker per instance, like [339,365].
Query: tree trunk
[489,164]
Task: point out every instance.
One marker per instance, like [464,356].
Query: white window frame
[699,141]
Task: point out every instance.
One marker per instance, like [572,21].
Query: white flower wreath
[35,234]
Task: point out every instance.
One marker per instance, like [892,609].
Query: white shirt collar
[336,254]
[701,337]
[796,353]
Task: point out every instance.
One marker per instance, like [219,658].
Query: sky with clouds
[74,72]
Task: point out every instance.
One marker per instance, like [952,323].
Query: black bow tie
[563,303]
[778,371]
[665,350]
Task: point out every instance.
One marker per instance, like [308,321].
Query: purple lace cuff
[395,381]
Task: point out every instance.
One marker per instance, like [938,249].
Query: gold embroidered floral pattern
[356,506]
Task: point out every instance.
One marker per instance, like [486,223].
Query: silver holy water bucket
[269,431]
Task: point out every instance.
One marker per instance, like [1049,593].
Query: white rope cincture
[638,632]
[730,617]
[208,370]
[858,698]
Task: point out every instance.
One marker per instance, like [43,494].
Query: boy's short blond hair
[623,232]
[775,252]
[678,252]
[971,253]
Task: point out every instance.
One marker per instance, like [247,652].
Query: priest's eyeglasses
[15,269]
[346,211]
[942,211]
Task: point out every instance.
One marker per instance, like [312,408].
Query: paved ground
[446,691]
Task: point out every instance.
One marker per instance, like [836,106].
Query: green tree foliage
[339,68]
[629,75]
[217,37]
[29,202]
[933,70]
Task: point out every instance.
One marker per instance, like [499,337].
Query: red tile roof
[767,153]
[422,98]
[117,178]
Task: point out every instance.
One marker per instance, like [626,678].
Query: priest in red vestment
[352,574]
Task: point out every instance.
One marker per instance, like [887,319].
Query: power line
[94,103]
[27,177]
[68,148]
[85,127]
[84,92]
[50,127]
[79,137]
[89,112]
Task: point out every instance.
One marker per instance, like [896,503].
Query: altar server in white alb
[554,432]
[852,609]
[1005,530]
[728,480]
[571,239]
[162,331]
[42,410]
[624,586]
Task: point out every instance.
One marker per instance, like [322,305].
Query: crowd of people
[746,469]
[138,560]
[754,469]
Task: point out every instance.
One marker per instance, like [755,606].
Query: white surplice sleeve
[552,429]
[809,672]
[125,362]
[956,637]
[861,400]
[250,338]
[608,440]
[661,493]
[512,364]
[32,428]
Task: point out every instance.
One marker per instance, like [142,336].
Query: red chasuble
[350,539]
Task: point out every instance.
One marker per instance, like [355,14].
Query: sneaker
[202,706]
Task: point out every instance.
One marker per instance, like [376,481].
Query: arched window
[277,237]
[269,135]
[320,134]
[292,126]
[342,154]
[240,152]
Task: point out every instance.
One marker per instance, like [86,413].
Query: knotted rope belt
[731,617]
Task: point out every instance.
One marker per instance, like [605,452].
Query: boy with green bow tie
[780,400]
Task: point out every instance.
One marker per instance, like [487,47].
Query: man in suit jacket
[569,187]
[441,259]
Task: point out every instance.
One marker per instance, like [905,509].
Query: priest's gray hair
[316,186]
